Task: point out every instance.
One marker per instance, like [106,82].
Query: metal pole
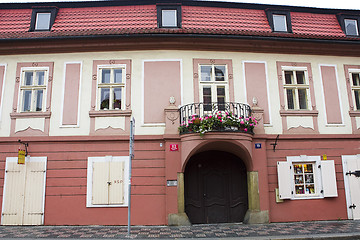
[131,154]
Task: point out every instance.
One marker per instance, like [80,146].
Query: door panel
[215,188]
[354,183]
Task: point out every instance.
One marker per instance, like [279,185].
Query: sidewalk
[347,229]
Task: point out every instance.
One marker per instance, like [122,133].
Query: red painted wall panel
[161,81]
[331,94]
[256,86]
[71,94]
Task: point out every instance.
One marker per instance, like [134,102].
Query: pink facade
[152,200]
[196,89]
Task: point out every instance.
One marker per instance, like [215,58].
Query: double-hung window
[33,90]
[296,87]
[111,87]
[303,177]
[214,86]
[355,89]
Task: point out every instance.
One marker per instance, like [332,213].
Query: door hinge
[8,214]
[356,173]
[352,206]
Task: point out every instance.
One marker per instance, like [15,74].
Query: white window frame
[296,87]
[89,192]
[324,177]
[33,88]
[213,84]
[37,27]
[283,21]
[354,88]
[356,26]
[111,85]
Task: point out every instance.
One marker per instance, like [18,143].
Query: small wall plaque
[257,145]
[171,183]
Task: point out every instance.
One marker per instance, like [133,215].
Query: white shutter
[12,212]
[116,189]
[100,186]
[328,178]
[34,193]
[284,180]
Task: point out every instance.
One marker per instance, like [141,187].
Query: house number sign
[174,147]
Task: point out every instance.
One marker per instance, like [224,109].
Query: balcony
[216,117]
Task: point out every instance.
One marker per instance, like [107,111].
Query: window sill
[110,113]
[313,113]
[307,197]
[354,113]
[30,115]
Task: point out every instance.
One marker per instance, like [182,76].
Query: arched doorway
[215,188]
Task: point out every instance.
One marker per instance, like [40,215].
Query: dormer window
[169,16]
[351,27]
[279,20]
[42,19]
[349,24]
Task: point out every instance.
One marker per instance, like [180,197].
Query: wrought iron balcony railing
[229,116]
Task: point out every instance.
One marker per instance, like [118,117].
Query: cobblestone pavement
[304,230]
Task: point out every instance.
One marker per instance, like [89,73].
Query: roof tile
[142,19]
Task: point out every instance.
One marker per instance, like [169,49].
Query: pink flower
[251,124]
[245,129]
[206,118]
[247,119]
[190,122]
[242,122]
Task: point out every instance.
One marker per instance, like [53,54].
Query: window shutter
[116,189]
[328,178]
[34,193]
[284,180]
[100,191]
[13,194]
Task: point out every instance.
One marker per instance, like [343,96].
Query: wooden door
[352,185]
[215,188]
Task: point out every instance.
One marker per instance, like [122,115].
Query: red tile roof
[125,20]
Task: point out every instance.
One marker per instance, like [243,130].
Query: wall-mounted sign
[174,147]
[21,156]
[257,145]
[324,157]
[171,183]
